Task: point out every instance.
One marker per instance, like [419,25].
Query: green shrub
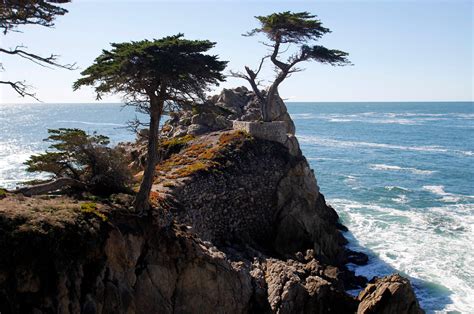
[86,158]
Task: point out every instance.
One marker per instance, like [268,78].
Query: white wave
[340,120]
[401,199]
[327,158]
[92,123]
[394,118]
[383,167]
[394,188]
[372,120]
[302,116]
[351,181]
[446,197]
[308,139]
[432,245]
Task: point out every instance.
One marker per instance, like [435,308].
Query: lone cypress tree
[295,32]
[149,74]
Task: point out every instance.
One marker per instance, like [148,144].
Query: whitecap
[431,245]
[446,197]
[384,167]
[307,139]
[395,188]
[302,116]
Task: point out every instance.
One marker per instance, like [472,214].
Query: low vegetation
[84,158]
[200,156]
[92,208]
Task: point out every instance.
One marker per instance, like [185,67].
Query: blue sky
[401,50]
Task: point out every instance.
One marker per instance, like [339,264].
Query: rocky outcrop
[238,225]
[62,260]
[389,295]
[218,112]
[253,191]
[77,262]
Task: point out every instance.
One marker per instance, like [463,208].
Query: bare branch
[21,88]
[42,61]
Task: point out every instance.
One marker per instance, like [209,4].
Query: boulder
[389,295]
[197,129]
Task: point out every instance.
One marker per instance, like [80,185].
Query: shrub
[85,158]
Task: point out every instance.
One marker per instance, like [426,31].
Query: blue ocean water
[401,176]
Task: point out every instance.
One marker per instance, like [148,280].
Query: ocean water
[401,176]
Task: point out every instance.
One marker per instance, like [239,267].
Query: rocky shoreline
[238,226]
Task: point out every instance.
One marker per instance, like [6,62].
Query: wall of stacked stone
[239,200]
[272,131]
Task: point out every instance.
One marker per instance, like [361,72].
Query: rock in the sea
[389,295]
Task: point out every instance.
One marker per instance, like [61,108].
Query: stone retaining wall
[272,131]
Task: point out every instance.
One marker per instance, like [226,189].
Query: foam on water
[401,178]
[354,144]
[440,266]
[447,197]
[397,168]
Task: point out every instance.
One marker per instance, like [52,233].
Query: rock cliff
[238,225]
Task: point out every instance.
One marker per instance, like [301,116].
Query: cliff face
[238,225]
[252,191]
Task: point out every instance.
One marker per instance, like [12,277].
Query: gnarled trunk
[55,185]
[142,203]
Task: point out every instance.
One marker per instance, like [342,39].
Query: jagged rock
[204,118]
[389,295]
[233,99]
[294,287]
[219,112]
[357,258]
[262,195]
[197,129]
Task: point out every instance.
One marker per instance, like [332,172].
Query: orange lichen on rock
[202,155]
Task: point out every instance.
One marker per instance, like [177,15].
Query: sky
[401,50]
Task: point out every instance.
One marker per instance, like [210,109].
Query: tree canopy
[173,68]
[149,74]
[15,13]
[33,12]
[287,30]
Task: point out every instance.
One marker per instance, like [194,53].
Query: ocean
[400,175]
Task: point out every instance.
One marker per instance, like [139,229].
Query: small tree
[14,13]
[292,30]
[81,160]
[150,74]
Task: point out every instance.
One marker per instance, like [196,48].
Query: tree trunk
[142,200]
[55,185]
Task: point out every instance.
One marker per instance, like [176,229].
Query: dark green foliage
[299,28]
[289,27]
[324,55]
[294,32]
[172,67]
[23,12]
[85,158]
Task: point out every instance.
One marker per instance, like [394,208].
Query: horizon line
[285,100]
